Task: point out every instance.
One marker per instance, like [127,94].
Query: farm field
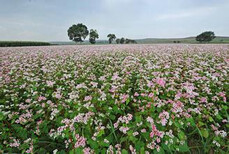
[162,98]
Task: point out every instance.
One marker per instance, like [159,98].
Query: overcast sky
[48,20]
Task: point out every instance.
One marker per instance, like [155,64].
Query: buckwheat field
[114,99]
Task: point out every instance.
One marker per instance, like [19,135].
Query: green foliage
[129,41]
[205,37]
[117,41]
[122,40]
[111,37]
[126,41]
[78,32]
[93,35]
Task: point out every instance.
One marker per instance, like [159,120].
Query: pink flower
[124,129]
[178,95]
[150,84]
[124,98]
[156,132]
[158,140]
[163,122]
[158,148]
[81,141]
[116,125]
[160,81]
[133,151]
[115,76]
[86,150]
[16,143]
[203,100]
[58,95]
[151,95]
[28,100]
[41,98]
[136,94]
[163,115]
[143,130]
[113,88]
[135,133]
[213,127]
[152,134]
[50,83]
[87,98]
[222,94]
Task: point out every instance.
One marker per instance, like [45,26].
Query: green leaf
[159,152]
[124,151]
[61,152]
[210,119]
[219,117]
[112,117]
[101,132]
[79,151]
[93,144]
[204,133]
[138,118]
[103,151]
[1,116]
[184,148]
[139,145]
[72,151]
[181,135]
[201,124]
[142,151]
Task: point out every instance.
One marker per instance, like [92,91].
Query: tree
[205,36]
[122,41]
[135,42]
[118,41]
[93,35]
[130,41]
[111,37]
[78,32]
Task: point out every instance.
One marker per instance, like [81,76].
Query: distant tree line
[22,43]
[112,37]
[79,32]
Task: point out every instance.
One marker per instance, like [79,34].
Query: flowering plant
[114,99]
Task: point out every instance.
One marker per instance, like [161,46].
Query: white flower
[106,141]
[55,151]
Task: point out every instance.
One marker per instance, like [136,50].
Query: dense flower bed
[114,99]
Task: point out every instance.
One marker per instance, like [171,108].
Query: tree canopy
[122,41]
[128,41]
[205,36]
[78,32]
[111,37]
[93,35]
[117,41]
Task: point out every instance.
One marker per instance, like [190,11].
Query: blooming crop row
[114,99]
